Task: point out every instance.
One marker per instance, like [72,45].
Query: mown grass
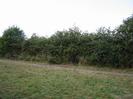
[22,80]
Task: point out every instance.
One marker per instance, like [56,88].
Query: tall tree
[124,38]
[12,41]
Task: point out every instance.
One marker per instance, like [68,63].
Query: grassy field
[26,80]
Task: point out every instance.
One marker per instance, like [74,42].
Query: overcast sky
[45,17]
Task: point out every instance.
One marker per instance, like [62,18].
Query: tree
[12,42]
[1,46]
[124,40]
[65,45]
[36,46]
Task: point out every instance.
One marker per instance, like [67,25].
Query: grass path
[82,70]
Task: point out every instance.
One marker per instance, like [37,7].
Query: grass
[23,80]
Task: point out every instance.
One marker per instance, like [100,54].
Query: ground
[27,80]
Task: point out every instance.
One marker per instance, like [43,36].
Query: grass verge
[23,80]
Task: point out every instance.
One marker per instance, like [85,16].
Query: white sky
[45,17]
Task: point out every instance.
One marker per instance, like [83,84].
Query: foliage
[12,42]
[104,47]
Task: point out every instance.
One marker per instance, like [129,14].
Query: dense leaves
[105,47]
[12,42]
